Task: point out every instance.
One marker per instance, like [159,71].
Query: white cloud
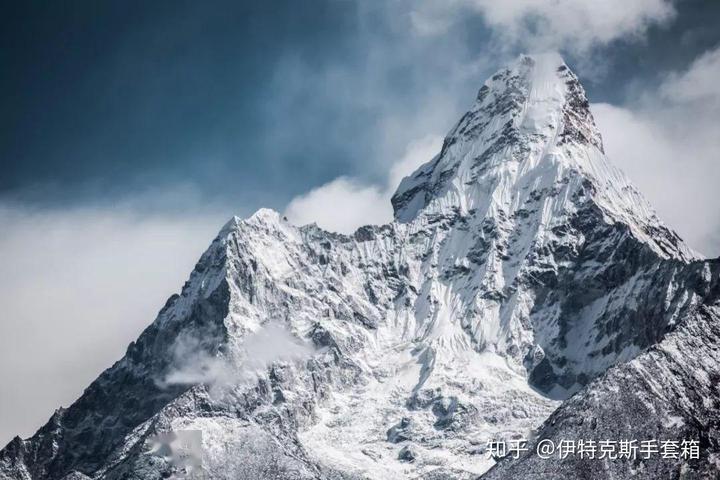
[340,206]
[699,82]
[345,204]
[549,24]
[668,145]
[76,287]
[258,351]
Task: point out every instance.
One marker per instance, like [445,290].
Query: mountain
[525,289]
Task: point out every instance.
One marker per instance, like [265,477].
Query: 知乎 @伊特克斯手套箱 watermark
[597,449]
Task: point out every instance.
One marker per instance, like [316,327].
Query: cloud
[341,205]
[667,143]
[345,204]
[77,286]
[698,83]
[548,24]
[258,350]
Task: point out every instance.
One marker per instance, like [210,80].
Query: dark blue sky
[247,104]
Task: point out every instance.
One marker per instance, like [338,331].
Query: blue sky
[249,104]
[132,130]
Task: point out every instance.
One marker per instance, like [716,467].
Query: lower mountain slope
[669,393]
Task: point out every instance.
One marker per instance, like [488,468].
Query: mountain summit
[525,289]
[530,125]
[522,111]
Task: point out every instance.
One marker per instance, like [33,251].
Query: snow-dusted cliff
[521,265]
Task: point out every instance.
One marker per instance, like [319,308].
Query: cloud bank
[668,143]
[258,350]
[77,286]
[548,24]
[345,204]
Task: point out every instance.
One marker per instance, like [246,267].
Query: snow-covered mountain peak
[553,83]
[230,226]
[528,143]
[521,266]
[525,117]
[265,215]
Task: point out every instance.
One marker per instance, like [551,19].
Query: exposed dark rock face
[669,393]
